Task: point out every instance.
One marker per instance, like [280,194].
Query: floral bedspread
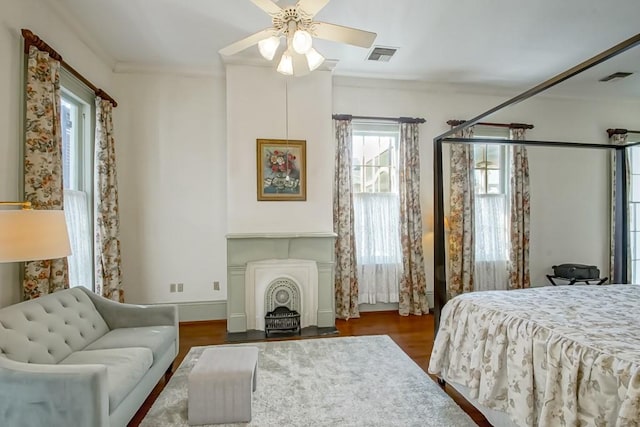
[551,356]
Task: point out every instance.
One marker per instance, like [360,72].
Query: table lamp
[30,235]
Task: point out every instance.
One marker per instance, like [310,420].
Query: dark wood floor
[414,334]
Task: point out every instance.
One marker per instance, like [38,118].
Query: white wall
[186,150]
[186,158]
[36,16]
[256,109]
[569,201]
[172,172]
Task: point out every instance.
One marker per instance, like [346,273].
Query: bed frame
[620,259]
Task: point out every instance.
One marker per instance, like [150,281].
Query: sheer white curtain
[491,243]
[378,254]
[76,212]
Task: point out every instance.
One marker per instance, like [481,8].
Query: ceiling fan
[295,23]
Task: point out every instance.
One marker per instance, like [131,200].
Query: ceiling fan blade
[311,7]
[268,6]
[338,33]
[246,42]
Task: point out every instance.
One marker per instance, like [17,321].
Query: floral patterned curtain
[413,284]
[617,139]
[346,282]
[519,276]
[461,214]
[43,163]
[107,222]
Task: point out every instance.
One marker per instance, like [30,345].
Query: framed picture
[282,171]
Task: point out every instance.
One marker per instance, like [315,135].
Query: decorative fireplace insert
[281,319]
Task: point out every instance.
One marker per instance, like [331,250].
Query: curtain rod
[31,39]
[389,119]
[554,144]
[499,125]
[612,132]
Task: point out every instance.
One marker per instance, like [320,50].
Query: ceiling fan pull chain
[286,107]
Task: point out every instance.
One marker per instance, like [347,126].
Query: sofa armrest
[53,395]
[121,315]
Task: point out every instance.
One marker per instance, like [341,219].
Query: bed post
[439,267]
[621,220]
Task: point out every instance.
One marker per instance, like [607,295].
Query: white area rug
[350,381]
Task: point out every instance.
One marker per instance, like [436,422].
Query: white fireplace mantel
[244,249]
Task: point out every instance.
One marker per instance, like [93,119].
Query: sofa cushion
[49,328]
[155,338]
[125,368]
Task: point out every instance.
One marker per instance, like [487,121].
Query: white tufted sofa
[73,358]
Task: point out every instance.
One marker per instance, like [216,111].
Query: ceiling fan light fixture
[286,64]
[301,42]
[314,59]
[268,47]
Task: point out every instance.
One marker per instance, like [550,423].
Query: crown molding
[182,70]
[396,83]
[368,82]
[84,36]
[211,70]
[327,65]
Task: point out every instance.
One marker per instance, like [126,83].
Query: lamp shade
[314,59]
[268,47]
[286,64]
[301,42]
[29,235]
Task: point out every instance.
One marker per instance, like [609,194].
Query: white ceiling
[511,44]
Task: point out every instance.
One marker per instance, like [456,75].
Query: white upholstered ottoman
[220,385]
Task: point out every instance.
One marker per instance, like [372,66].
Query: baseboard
[430,298]
[389,306]
[381,306]
[217,310]
[207,310]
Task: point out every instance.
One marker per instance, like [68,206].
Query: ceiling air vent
[382,54]
[615,76]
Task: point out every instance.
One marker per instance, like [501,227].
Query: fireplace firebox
[281,319]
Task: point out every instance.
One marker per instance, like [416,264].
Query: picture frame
[281,170]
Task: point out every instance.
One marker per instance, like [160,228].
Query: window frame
[78,94]
[364,128]
[497,133]
[634,212]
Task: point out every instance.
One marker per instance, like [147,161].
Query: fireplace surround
[294,280]
[246,250]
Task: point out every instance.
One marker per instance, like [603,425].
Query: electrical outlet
[216,286]
[172,287]
[180,287]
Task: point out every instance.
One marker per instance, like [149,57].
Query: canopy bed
[548,355]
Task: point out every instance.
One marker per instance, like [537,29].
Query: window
[489,168]
[376,208]
[77,112]
[375,158]
[634,207]
[491,210]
